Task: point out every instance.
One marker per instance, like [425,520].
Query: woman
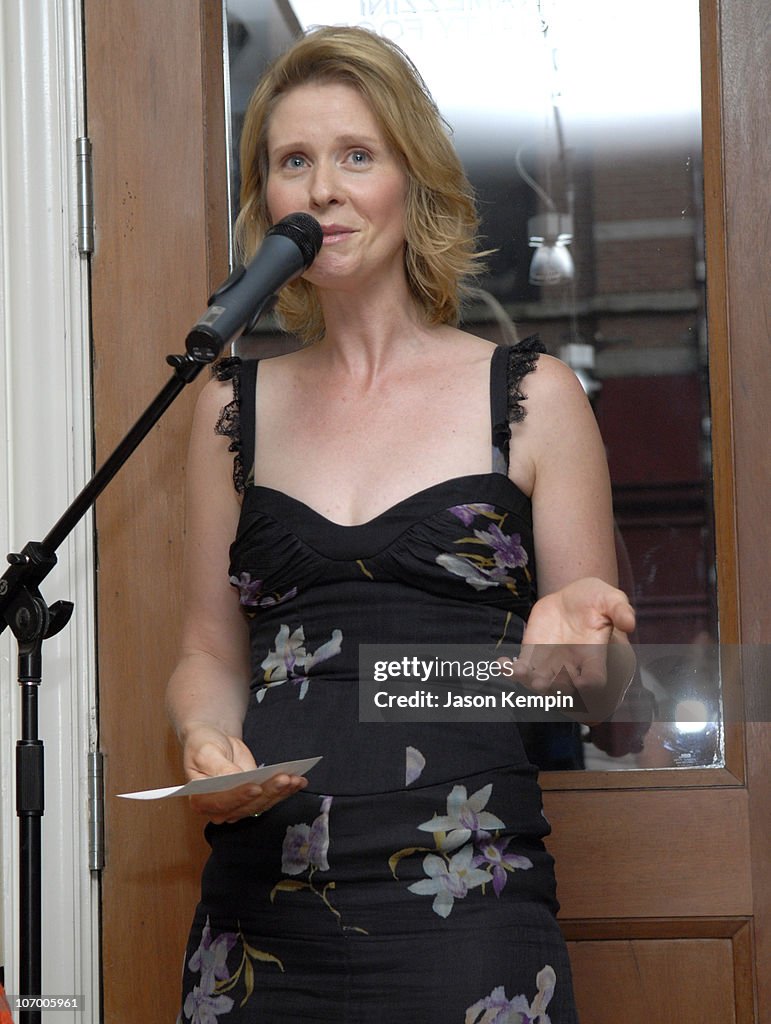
[408,871]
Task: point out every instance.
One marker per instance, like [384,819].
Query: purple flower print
[290,662]
[497,1009]
[204,1007]
[307,845]
[305,848]
[479,579]
[294,853]
[506,547]
[211,956]
[481,857]
[467,513]
[494,1009]
[492,853]
[449,881]
[207,1000]
[251,595]
[491,568]
[290,653]
[465,817]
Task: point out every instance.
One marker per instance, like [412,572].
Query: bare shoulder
[553,379]
[555,400]
[471,345]
[215,421]
[460,354]
[558,423]
[215,417]
[214,396]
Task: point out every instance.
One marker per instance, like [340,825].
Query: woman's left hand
[576,642]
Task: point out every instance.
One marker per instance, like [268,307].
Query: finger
[248,800]
[535,668]
[279,787]
[554,669]
[219,807]
[590,664]
[521,666]
[538,664]
[512,668]
[622,614]
[627,619]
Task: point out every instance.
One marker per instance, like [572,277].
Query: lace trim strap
[229,421]
[520,360]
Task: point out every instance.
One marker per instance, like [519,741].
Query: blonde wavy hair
[441,220]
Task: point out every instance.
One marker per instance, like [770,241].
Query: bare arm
[208,691]
[581,619]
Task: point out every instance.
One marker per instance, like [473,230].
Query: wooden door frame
[742,310]
[138,522]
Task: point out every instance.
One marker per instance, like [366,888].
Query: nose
[324,186]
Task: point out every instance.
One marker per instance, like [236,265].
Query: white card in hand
[221,783]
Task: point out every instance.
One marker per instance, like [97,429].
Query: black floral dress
[409,881]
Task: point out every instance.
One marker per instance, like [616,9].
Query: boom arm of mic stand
[37,558]
[31,621]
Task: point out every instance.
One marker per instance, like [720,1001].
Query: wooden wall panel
[651,853]
[683,971]
[642,980]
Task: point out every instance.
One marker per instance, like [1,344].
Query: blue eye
[360,156]
[295,161]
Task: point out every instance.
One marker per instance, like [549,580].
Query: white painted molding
[45,459]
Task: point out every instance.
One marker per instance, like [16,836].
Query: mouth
[335,233]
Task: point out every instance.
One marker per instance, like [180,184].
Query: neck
[366,333]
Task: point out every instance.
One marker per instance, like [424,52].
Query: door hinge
[95,810]
[85,196]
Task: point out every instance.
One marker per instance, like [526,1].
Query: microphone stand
[32,621]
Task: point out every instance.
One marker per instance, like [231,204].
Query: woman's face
[327,156]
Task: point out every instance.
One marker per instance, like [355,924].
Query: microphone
[288,249]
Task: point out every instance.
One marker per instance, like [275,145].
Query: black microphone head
[305,231]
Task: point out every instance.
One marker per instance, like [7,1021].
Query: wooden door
[663,875]
[160,245]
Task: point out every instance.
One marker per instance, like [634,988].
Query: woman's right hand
[208,752]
